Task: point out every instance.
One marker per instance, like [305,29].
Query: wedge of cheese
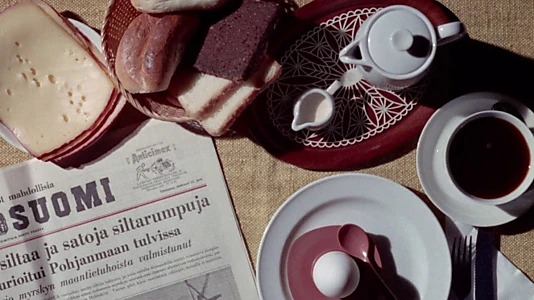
[55,93]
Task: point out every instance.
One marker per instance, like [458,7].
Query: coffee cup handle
[346,55]
[450,32]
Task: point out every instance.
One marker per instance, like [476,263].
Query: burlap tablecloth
[259,183]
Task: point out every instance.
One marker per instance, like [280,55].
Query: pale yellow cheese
[51,88]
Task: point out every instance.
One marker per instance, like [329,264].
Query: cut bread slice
[223,115]
[196,92]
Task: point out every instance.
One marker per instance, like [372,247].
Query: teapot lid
[400,39]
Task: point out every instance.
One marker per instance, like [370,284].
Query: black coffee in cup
[488,157]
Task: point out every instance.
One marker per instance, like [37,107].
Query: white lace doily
[361,111]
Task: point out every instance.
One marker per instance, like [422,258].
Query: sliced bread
[234,102]
[234,46]
[197,92]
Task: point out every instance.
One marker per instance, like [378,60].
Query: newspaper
[151,219]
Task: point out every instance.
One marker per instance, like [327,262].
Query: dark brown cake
[234,46]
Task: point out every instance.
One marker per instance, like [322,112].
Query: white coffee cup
[529,141]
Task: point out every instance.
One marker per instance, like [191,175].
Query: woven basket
[119,15]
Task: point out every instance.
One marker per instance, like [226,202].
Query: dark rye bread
[234,46]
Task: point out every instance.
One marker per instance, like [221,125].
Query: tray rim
[332,159]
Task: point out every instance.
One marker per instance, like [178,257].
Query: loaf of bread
[151,49]
[235,45]
[165,6]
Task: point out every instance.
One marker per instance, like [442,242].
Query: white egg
[336,274]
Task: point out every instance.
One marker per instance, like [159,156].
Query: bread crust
[197,93]
[151,49]
[218,121]
[165,6]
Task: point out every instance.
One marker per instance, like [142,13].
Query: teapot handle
[346,55]
[450,32]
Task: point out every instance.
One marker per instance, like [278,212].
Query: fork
[461,266]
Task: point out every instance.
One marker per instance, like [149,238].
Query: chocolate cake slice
[234,46]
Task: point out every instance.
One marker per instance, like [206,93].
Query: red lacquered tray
[369,122]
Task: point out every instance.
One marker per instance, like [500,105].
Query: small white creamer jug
[395,47]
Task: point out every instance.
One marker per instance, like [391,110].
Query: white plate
[431,166]
[409,237]
[94,37]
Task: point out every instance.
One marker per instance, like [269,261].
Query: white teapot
[395,47]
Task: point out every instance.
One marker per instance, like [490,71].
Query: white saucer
[406,232]
[431,165]
[94,37]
